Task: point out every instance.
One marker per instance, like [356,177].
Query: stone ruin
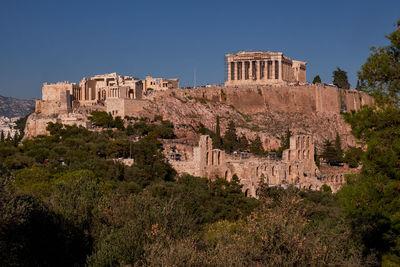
[263,68]
[297,166]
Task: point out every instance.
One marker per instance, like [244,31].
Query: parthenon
[258,68]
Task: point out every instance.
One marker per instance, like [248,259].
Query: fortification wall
[37,122]
[52,92]
[300,99]
[125,107]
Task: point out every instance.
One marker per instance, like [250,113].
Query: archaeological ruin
[265,93]
[263,68]
[297,166]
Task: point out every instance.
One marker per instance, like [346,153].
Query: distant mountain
[13,107]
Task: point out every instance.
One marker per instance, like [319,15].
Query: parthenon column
[233,72]
[251,70]
[258,68]
[236,70]
[229,71]
[280,69]
[273,69]
[243,70]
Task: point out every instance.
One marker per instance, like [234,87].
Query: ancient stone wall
[37,122]
[289,99]
[297,166]
[125,107]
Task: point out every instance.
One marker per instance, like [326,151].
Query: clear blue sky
[66,40]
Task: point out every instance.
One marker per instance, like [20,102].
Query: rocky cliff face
[264,112]
[13,107]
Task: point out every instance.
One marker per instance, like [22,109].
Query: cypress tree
[217,142]
[16,139]
[230,142]
[2,136]
[329,153]
[338,149]
[358,87]
[285,143]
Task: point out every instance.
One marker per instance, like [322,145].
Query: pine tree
[317,79]
[340,79]
[2,139]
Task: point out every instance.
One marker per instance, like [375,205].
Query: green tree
[217,141]
[338,148]
[380,73]
[358,87]
[243,143]
[230,141]
[329,152]
[256,147]
[118,123]
[340,79]
[54,128]
[353,156]
[21,122]
[101,118]
[285,143]
[33,235]
[371,199]
[317,79]
[16,139]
